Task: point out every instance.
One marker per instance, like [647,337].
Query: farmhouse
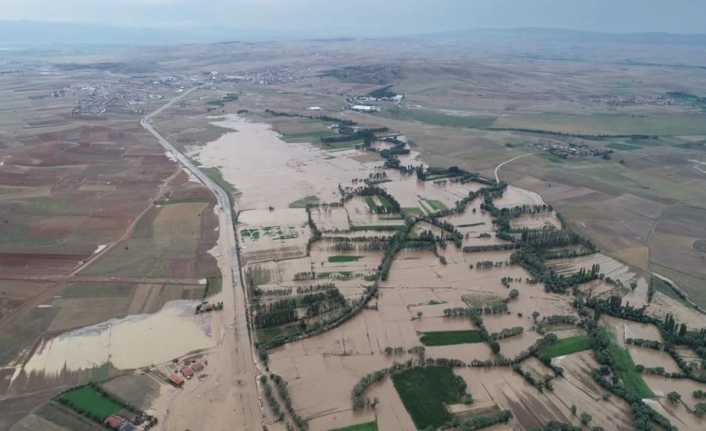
[188,372]
[176,380]
[114,421]
[197,366]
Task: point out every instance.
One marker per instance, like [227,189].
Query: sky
[369,18]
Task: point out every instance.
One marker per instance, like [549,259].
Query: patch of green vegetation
[471,224]
[447,338]
[344,258]
[24,332]
[566,346]
[481,301]
[376,227]
[183,201]
[303,202]
[50,204]
[436,205]
[213,286]
[266,335]
[89,400]
[317,134]
[437,118]
[217,177]
[552,158]
[97,290]
[159,268]
[369,426]
[425,392]
[371,277]
[370,200]
[253,234]
[632,380]
[411,211]
[623,147]
[690,146]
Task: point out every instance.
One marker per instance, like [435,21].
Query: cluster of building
[568,151]
[188,371]
[364,108]
[636,100]
[124,420]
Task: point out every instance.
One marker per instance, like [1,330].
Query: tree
[586,418]
[573,409]
[606,396]
[419,314]
[674,397]
[495,347]
[700,409]
[514,294]
[633,285]
[535,315]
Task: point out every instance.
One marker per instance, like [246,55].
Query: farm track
[497,168]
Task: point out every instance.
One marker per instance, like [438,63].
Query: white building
[365,108]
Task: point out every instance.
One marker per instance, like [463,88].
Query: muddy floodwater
[126,343]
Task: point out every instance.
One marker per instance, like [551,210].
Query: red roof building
[176,380]
[187,372]
[113,421]
[197,366]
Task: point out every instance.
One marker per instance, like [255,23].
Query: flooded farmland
[321,249]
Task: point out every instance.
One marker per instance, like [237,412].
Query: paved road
[230,394]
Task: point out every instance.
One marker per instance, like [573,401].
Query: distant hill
[532,34]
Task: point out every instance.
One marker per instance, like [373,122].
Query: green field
[632,380]
[411,210]
[49,204]
[303,202]
[471,224]
[377,227]
[446,338]
[436,205]
[310,134]
[369,426]
[425,392]
[567,346]
[87,399]
[182,201]
[343,258]
[440,119]
[623,147]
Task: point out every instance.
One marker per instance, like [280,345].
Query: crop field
[567,346]
[425,392]
[368,426]
[87,399]
[445,338]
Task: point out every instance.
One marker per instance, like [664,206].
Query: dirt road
[228,399]
[497,168]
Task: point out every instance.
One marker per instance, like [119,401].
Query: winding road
[228,398]
[497,168]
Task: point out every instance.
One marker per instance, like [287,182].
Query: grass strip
[369,426]
[343,258]
[566,346]
[447,338]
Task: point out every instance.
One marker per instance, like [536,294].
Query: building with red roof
[113,421]
[197,366]
[188,372]
[176,380]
